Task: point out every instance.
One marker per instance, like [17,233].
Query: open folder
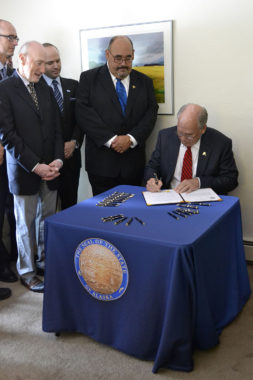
[165,197]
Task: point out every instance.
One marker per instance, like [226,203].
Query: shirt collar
[50,80]
[24,80]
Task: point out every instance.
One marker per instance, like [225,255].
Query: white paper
[201,195]
[161,197]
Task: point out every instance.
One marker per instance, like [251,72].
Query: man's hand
[1,154]
[69,147]
[56,164]
[46,172]
[153,186]
[187,186]
[121,143]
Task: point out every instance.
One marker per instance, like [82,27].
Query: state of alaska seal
[101,268]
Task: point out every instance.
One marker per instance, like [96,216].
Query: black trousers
[6,207]
[99,184]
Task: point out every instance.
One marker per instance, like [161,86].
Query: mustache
[122,67]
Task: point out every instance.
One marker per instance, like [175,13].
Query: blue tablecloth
[187,279]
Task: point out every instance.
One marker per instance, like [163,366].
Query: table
[187,279]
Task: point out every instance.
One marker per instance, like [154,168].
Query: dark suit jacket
[29,136]
[99,115]
[70,129]
[216,165]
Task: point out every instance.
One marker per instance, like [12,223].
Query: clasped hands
[50,171]
[121,143]
[186,186]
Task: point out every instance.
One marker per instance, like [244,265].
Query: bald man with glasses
[192,156]
[117,109]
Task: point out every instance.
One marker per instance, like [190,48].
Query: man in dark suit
[31,134]
[65,93]
[8,42]
[116,127]
[211,156]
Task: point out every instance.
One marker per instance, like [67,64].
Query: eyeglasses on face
[10,37]
[187,137]
[120,59]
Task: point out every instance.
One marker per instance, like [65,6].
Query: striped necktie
[187,165]
[57,95]
[122,96]
[33,94]
[4,72]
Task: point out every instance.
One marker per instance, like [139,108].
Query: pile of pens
[115,199]
[188,209]
[120,218]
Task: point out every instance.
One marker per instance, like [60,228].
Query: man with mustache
[117,110]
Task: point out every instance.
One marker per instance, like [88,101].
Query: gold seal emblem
[101,269]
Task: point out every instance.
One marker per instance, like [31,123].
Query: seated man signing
[192,156]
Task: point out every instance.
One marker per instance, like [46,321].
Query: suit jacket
[29,136]
[70,130]
[99,115]
[216,165]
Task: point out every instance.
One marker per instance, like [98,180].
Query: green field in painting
[157,74]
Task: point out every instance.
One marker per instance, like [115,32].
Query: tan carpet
[27,353]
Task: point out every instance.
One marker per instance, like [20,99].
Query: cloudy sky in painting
[148,49]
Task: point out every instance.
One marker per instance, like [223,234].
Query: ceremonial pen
[121,220]
[173,216]
[139,220]
[201,204]
[180,213]
[156,179]
[129,221]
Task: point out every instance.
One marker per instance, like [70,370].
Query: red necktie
[187,165]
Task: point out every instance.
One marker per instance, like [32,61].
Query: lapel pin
[204,154]
[133,86]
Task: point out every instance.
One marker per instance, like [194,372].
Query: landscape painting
[152,56]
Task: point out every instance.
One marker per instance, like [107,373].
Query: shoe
[7,275]
[40,271]
[4,293]
[33,283]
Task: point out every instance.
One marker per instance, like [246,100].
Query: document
[165,197]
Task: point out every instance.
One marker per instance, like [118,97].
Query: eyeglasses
[187,137]
[11,38]
[120,59]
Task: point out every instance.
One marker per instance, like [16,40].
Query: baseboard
[248,247]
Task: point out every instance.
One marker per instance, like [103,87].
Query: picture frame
[153,55]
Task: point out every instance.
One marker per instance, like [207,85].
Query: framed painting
[153,55]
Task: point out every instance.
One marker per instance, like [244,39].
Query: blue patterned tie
[57,95]
[121,92]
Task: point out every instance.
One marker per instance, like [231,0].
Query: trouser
[30,213]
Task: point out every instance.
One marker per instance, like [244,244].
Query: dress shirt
[176,180]
[125,82]
[50,83]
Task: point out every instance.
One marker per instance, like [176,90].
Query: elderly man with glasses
[117,110]
[192,156]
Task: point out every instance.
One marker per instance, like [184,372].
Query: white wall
[213,60]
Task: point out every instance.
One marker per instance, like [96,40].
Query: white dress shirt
[125,82]
[176,180]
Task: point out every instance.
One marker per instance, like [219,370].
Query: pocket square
[72,99]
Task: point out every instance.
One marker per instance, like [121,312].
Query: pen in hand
[156,179]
